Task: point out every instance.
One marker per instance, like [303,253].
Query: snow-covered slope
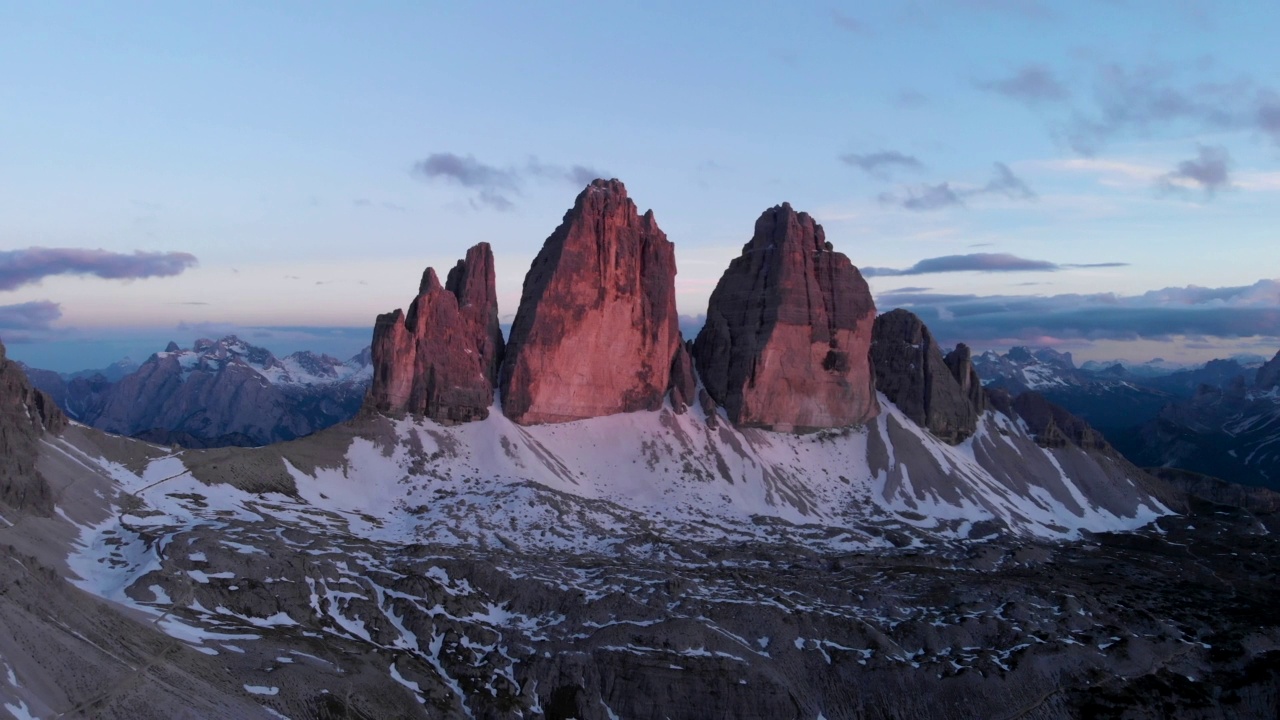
[597,484]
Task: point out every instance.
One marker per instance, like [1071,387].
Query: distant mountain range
[216,393]
[1221,419]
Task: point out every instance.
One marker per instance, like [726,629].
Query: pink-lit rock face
[788,331]
[596,331]
[439,360]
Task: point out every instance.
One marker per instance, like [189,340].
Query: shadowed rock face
[788,329]
[684,384]
[911,372]
[960,362]
[1055,427]
[25,414]
[596,331]
[1269,374]
[439,360]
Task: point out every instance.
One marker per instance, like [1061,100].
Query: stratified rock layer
[439,360]
[788,330]
[596,331]
[912,373]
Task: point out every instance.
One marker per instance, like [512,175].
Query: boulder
[596,332]
[787,333]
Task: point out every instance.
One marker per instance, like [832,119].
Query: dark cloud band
[37,315]
[1227,312]
[25,267]
[979,262]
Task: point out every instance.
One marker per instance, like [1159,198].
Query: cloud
[1210,171]
[1142,100]
[576,175]
[881,163]
[494,186]
[909,99]
[466,171]
[1008,184]
[978,262]
[1192,311]
[1032,84]
[923,198]
[36,315]
[25,267]
[846,23]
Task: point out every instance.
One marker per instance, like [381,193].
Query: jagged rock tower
[940,394]
[441,359]
[596,333]
[788,331]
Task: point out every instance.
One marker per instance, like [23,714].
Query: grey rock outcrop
[25,415]
[960,362]
[1269,374]
[787,332]
[684,384]
[912,373]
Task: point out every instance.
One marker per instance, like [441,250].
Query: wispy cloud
[979,262]
[846,22]
[1224,312]
[29,266]
[881,164]
[923,198]
[495,186]
[1032,84]
[37,315]
[1209,171]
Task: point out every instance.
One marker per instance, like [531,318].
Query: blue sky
[295,166]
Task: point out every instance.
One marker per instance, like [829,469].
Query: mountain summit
[596,331]
[788,329]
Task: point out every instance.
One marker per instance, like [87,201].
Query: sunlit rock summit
[596,331]
[439,360]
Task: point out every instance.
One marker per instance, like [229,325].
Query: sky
[1099,176]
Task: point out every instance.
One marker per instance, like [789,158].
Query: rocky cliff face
[1269,374]
[439,360]
[960,362]
[25,414]
[911,372]
[787,332]
[596,331]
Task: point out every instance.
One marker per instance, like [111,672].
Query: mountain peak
[596,330]
[788,330]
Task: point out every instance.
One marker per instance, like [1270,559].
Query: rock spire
[788,330]
[440,359]
[596,332]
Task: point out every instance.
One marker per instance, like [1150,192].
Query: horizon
[1098,178]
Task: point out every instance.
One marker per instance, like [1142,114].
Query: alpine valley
[809,510]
